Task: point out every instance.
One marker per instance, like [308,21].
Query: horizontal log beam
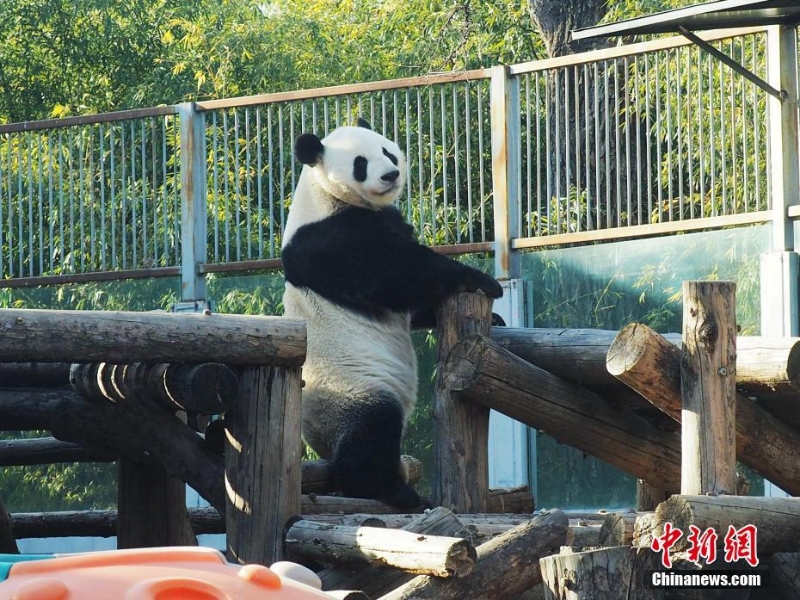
[481,371]
[507,565]
[48,450]
[411,552]
[777,520]
[205,388]
[764,365]
[34,374]
[650,364]
[317,476]
[124,337]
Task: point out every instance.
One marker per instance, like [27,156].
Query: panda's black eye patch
[360,168]
[390,156]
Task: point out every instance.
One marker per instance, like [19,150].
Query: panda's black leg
[366,461]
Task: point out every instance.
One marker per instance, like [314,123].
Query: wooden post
[152,508]
[708,386]
[8,543]
[262,463]
[461,429]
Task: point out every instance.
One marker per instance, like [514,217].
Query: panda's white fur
[356,274]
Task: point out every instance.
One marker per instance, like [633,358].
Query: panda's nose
[390,176]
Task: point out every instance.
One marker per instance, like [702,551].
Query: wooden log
[314,504]
[317,477]
[481,371]
[507,565]
[152,508]
[708,388]
[262,463]
[159,436]
[206,388]
[461,429]
[376,581]
[617,529]
[510,500]
[784,575]
[8,542]
[48,450]
[33,374]
[777,520]
[27,409]
[650,364]
[124,337]
[764,365]
[619,572]
[414,553]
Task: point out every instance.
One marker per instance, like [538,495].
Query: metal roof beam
[724,58]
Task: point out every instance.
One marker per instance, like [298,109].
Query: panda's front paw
[481,282]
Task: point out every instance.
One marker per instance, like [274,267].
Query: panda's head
[355,165]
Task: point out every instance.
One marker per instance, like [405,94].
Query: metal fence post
[193,201]
[505,122]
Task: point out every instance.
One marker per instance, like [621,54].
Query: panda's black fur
[355,271]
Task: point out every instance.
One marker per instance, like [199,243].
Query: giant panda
[356,273]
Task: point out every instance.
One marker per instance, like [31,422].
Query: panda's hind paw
[402,496]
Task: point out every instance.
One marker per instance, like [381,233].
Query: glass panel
[608,286]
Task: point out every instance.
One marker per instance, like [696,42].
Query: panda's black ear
[364,123]
[308,149]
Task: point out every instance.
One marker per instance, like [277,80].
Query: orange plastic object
[149,574]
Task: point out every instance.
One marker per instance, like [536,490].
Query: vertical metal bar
[468,153]
[456,161]
[225,186]
[445,211]
[745,154]
[142,151]
[481,163]
[237,185]
[757,136]
[113,190]
[586,143]
[134,203]
[53,214]
[659,183]
[701,149]
[271,180]
[408,154]
[617,145]
[29,258]
[548,144]
[637,85]
[259,167]
[668,102]
[556,104]
[628,178]
[608,153]
[10,210]
[539,190]
[722,140]
[61,213]
[40,203]
[712,138]
[431,164]
[103,243]
[420,180]
[292,162]
[505,120]
[528,155]
[282,165]
[164,199]
[215,186]
[248,183]
[576,111]
[3,237]
[689,132]
[193,201]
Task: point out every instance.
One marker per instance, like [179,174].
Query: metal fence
[634,140]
